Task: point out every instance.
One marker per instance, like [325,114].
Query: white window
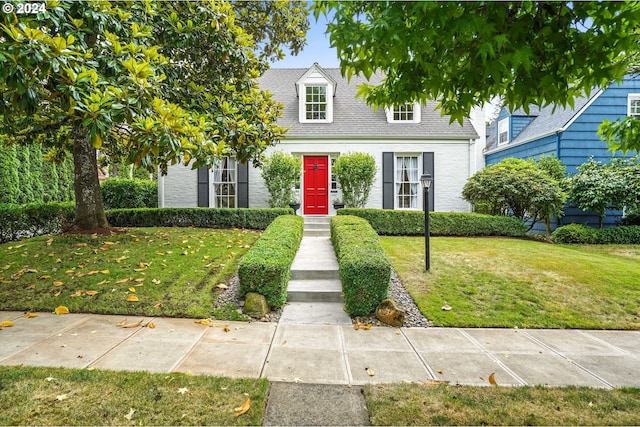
[315,103]
[407,182]
[633,106]
[406,113]
[224,183]
[503,131]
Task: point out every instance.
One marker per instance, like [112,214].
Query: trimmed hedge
[266,267]
[33,219]
[36,219]
[387,222]
[252,218]
[576,233]
[122,193]
[365,271]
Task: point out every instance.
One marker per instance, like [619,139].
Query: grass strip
[413,404]
[55,396]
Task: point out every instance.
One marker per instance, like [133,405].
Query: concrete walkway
[325,354]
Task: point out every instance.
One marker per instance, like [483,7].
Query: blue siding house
[570,134]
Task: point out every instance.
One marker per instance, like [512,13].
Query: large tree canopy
[464,54]
[160,82]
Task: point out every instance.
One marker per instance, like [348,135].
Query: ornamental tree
[464,54]
[160,82]
[355,173]
[281,172]
[515,187]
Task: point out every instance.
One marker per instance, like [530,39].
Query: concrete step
[316,233]
[317,219]
[314,274]
[314,291]
[316,226]
[314,313]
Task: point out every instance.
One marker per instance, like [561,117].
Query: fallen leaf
[61,397]
[244,408]
[440,371]
[129,416]
[102,283]
[140,279]
[436,382]
[58,283]
[6,324]
[124,322]
[49,242]
[492,379]
[30,287]
[132,289]
[370,372]
[44,277]
[80,245]
[57,294]
[226,328]
[156,281]
[123,280]
[202,321]
[30,315]
[151,325]
[183,390]
[104,271]
[158,305]
[446,308]
[92,293]
[222,286]
[92,272]
[61,309]
[132,298]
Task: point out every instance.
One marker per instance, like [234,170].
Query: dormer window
[405,113]
[503,131]
[315,90]
[633,106]
[316,103]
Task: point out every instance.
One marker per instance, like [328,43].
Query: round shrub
[574,233]
[118,193]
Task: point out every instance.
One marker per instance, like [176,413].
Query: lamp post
[426,181]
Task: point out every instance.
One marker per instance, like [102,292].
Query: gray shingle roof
[352,117]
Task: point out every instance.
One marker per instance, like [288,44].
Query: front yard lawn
[145,271]
[54,396]
[416,405]
[499,282]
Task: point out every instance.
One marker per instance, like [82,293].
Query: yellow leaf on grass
[140,279]
[30,315]
[492,379]
[92,272]
[244,408]
[132,289]
[61,309]
[44,277]
[123,280]
[58,283]
[104,271]
[69,272]
[92,293]
[132,298]
[6,324]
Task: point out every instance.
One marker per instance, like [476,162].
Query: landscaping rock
[389,312]
[255,305]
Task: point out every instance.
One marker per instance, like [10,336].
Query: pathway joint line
[568,359]
[492,357]
[611,346]
[268,356]
[430,371]
[345,357]
[189,351]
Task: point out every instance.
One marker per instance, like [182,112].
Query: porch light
[426,180]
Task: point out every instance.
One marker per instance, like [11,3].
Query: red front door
[316,183]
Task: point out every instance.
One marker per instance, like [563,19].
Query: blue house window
[634,105]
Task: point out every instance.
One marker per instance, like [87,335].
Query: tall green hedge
[389,222]
[33,219]
[9,186]
[581,234]
[123,193]
[365,271]
[266,267]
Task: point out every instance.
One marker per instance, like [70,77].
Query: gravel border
[413,317]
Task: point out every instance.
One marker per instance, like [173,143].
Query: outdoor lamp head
[426,180]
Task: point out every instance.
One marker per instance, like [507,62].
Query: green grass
[498,282]
[54,396]
[172,271]
[412,404]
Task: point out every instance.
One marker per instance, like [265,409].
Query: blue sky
[316,50]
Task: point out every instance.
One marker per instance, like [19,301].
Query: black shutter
[387,181]
[428,167]
[203,187]
[243,185]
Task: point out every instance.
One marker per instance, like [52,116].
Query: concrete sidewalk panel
[619,371]
[314,313]
[44,324]
[315,404]
[440,340]
[505,341]
[388,367]
[628,341]
[231,360]
[548,369]
[378,338]
[467,368]
[308,336]
[569,342]
[254,333]
[319,366]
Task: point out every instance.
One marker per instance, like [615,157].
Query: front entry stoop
[314,293]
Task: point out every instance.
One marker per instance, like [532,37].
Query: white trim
[302,105]
[417,114]
[418,195]
[582,110]
[501,124]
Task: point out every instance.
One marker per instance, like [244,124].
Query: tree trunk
[89,210]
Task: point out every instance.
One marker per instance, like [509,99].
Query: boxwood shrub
[266,267]
[121,193]
[253,218]
[576,233]
[411,223]
[33,219]
[365,270]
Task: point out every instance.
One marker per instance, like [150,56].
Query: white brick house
[325,120]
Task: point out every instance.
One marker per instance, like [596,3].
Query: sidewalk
[325,354]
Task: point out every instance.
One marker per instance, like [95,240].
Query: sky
[316,50]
